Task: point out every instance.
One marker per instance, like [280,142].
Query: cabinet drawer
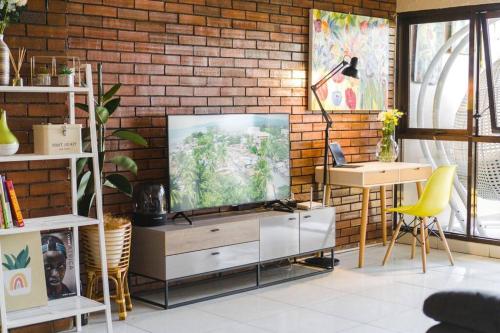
[206,237]
[198,262]
[317,229]
[414,174]
[381,177]
[279,236]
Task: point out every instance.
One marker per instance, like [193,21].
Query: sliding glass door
[448,78]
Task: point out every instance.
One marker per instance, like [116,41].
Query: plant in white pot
[10,10]
[66,77]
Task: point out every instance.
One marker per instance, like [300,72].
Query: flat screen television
[227,160]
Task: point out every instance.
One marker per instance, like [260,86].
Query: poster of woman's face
[58,258]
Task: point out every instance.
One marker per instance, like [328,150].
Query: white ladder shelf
[76,305]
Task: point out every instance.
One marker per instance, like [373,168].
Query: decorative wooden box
[54,139]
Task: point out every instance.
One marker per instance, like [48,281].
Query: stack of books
[10,212]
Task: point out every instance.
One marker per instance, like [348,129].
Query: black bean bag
[464,311]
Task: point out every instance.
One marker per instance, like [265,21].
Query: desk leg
[364,225]
[420,190]
[328,191]
[383,214]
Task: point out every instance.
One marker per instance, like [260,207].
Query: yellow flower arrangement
[389,119]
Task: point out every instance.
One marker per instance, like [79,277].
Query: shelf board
[40,157]
[43,89]
[49,223]
[55,309]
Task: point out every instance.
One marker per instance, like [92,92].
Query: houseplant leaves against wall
[106,104]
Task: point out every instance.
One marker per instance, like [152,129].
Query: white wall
[414,5]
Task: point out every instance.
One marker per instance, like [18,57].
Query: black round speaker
[150,205]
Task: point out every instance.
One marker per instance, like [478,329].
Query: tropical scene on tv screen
[219,160]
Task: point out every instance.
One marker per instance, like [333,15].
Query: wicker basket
[117,232]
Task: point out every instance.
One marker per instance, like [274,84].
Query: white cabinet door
[204,261]
[279,236]
[317,229]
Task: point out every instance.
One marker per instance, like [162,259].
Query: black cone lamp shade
[352,70]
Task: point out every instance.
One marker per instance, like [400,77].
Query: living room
[249,166]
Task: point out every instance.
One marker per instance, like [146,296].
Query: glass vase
[387,148]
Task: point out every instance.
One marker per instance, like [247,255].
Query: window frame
[471,134]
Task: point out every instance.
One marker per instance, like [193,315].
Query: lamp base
[322,262]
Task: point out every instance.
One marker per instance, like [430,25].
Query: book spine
[8,223]
[14,204]
[2,222]
[4,207]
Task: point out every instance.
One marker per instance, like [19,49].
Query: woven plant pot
[117,238]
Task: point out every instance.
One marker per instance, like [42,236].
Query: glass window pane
[439,58]
[487,219]
[485,124]
[438,153]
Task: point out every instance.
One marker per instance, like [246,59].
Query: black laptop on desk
[339,158]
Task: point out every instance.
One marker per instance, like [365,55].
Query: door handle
[291,219]
[215,230]
[307,216]
[215,253]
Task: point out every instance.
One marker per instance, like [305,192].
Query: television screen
[222,160]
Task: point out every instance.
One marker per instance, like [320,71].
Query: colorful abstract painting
[334,36]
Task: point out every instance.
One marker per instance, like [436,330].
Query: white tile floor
[374,299]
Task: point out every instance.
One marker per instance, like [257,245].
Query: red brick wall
[212,56]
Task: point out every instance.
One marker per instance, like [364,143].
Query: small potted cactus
[66,77]
[42,77]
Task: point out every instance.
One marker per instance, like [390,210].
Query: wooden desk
[374,174]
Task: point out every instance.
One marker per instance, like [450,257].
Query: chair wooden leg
[414,241]
[445,243]
[128,300]
[422,245]
[120,297]
[393,241]
[420,190]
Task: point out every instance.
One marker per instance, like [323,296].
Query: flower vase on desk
[387,148]
[8,142]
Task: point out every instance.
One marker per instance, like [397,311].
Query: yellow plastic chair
[432,202]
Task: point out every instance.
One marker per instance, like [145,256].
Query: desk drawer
[198,262]
[414,174]
[206,237]
[381,177]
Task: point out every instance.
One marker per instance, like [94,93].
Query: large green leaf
[111,105]
[102,114]
[111,92]
[118,182]
[126,163]
[85,203]
[131,136]
[80,164]
[82,184]
[82,106]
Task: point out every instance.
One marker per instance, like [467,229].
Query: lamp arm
[329,75]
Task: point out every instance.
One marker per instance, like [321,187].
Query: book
[14,204]
[58,257]
[3,203]
[2,225]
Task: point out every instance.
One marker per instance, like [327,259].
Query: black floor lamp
[350,71]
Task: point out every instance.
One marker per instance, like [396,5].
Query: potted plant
[66,77]
[42,77]
[10,11]
[106,105]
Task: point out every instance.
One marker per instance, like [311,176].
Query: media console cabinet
[270,244]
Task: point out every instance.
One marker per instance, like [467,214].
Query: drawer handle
[307,216]
[291,219]
[215,253]
[383,171]
[215,230]
[417,168]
